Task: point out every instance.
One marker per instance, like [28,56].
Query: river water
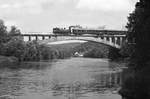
[75,78]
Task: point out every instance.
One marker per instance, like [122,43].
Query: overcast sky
[43,15]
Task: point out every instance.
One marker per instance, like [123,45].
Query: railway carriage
[82,31]
[89,31]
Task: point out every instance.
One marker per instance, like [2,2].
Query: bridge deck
[73,35]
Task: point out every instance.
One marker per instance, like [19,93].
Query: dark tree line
[139,32]
[137,83]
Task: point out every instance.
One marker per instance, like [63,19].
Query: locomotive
[61,31]
[77,30]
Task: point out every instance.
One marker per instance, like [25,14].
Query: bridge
[111,40]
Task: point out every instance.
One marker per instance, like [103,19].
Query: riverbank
[9,62]
[35,53]
[13,63]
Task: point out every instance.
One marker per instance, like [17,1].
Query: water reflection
[63,80]
[100,84]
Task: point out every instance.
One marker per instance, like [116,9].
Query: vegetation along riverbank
[15,49]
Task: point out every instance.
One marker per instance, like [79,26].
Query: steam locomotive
[81,31]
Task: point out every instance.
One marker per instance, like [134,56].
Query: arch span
[107,41]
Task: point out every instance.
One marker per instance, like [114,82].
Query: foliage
[12,44]
[3,32]
[96,50]
[114,53]
[93,50]
[137,86]
[139,31]
[94,54]
[65,50]
[14,47]
[126,50]
[29,51]
[14,31]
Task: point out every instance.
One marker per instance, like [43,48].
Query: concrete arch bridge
[111,40]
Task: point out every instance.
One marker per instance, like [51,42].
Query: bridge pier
[115,40]
[110,40]
[43,37]
[36,37]
[118,40]
[29,38]
[121,40]
[105,38]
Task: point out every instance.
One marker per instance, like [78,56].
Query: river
[74,78]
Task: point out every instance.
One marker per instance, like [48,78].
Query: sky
[43,15]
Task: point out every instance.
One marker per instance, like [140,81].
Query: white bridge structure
[110,40]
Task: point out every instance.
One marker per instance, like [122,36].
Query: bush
[15,47]
[29,51]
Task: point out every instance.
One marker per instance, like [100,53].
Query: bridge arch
[113,39]
[103,40]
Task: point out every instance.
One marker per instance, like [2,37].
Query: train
[61,31]
[76,30]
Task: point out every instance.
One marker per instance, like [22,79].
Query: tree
[3,32]
[138,31]
[14,31]
[137,86]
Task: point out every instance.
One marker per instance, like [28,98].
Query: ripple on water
[76,78]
